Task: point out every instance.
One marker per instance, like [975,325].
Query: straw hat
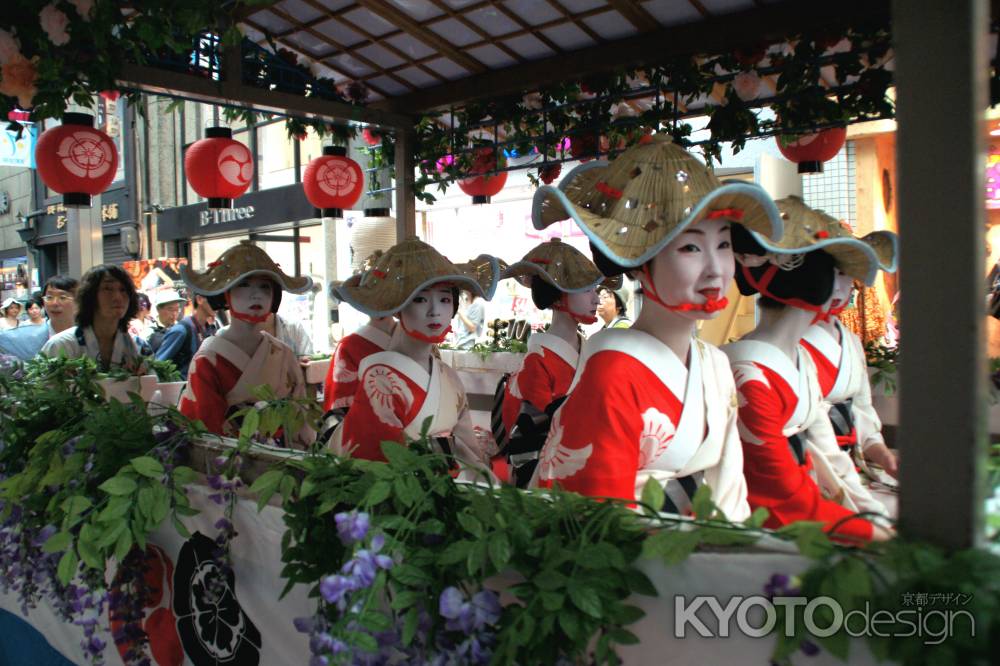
[407,268]
[235,264]
[807,230]
[559,264]
[355,279]
[649,194]
[575,184]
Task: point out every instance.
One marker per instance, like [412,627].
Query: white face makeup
[252,296]
[695,267]
[584,304]
[843,285]
[430,311]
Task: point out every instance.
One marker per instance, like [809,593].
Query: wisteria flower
[10,48]
[333,588]
[54,23]
[351,526]
[468,616]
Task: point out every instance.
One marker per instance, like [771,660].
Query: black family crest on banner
[212,631]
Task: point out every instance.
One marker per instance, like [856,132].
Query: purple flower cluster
[475,620]
[126,605]
[321,643]
[352,527]
[358,573]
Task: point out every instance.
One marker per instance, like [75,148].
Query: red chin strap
[434,340]
[765,280]
[586,320]
[710,305]
[250,319]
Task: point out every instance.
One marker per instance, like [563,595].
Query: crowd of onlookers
[103,316]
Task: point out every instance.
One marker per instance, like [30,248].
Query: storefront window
[275,156]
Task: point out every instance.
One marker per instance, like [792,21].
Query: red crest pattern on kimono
[394,398]
[777,400]
[546,374]
[342,376]
[843,375]
[224,376]
[635,412]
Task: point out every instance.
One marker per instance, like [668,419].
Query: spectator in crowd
[471,318]
[59,299]
[9,313]
[107,302]
[142,326]
[612,309]
[184,338]
[168,311]
[36,310]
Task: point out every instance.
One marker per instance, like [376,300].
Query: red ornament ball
[76,160]
[333,181]
[371,138]
[548,173]
[809,151]
[482,187]
[219,168]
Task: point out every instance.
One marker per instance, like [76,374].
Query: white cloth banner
[250,626]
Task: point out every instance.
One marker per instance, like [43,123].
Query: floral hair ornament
[409,267]
[664,189]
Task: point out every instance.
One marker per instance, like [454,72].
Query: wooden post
[941,78]
[406,208]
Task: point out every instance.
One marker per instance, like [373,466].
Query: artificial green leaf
[410,623]
[76,504]
[251,424]
[405,599]
[551,601]
[378,493]
[307,488]
[569,624]
[399,456]
[814,543]
[549,579]
[476,557]
[758,517]
[362,641]
[640,583]
[110,535]
[630,614]
[67,566]
[184,475]
[267,481]
[500,550]
[672,546]
[411,576]
[375,621]
[623,636]
[180,527]
[123,545]
[161,505]
[148,467]
[456,552]
[471,524]
[57,543]
[144,501]
[701,504]
[118,485]
[652,497]
[586,600]
[88,551]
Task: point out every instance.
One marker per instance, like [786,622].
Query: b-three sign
[757,616]
[207,217]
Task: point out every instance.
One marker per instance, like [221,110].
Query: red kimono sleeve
[775,480]
[339,393]
[207,400]
[593,445]
[384,402]
[533,384]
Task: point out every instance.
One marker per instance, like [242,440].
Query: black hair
[90,284]
[61,282]
[608,267]
[543,294]
[36,298]
[144,302]
[218,302]
[811,282]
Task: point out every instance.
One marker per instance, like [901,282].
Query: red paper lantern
[218,168]
[811,150]
[76,160]
[333,181]
[482,187]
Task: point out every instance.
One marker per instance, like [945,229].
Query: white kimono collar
[226,349]
[564,350]
[122,349]
[825,344]
[374,335]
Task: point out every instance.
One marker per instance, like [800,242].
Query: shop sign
[18,149]
[208,217]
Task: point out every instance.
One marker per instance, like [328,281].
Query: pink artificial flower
[17,79]
[9,47]
[84,8]
[54,23]
[746,85]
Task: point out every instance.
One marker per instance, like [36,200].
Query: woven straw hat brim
[212,284]
[384,297]
[580,179]
[631,245]
[853,256]
[571,282]
[886,246]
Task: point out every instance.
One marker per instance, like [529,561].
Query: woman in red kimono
[652,402]
[842,368]
[230,365]
[792,463]
[406,388]
[565,281]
